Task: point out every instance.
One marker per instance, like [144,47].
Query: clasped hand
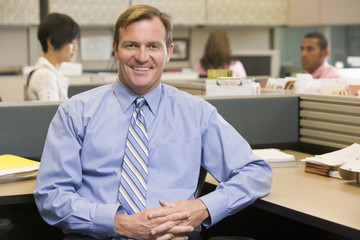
[171,221]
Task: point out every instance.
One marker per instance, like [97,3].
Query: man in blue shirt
[77,187]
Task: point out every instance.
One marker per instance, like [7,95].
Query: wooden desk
[323,202]
[326,203]
[17,192]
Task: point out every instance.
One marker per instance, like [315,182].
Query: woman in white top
[58,34]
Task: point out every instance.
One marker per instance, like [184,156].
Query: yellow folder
[14,168]
[9,161]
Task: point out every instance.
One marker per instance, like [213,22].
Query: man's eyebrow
[154,43]
[129,42]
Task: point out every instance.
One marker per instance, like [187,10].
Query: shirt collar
[45,63]
[126,96]
[317,73]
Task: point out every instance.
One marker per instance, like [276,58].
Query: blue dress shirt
[79,176]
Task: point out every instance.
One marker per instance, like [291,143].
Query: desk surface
[17,192]
[328,203]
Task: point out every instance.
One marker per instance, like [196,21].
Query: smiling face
[142,54]
[312,56]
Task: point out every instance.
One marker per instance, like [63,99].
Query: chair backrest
[201,181]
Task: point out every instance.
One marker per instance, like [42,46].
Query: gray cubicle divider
[23,128]
[262,120]
[76,89]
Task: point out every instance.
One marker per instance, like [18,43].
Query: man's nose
[302,53]
[142,54]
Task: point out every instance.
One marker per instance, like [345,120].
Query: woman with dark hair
[217,55]
[58,34]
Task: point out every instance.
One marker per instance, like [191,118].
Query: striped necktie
[132,190]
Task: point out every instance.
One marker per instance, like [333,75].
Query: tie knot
[140,101]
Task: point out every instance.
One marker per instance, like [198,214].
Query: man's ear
[324,54]
[115,50]
[169,52]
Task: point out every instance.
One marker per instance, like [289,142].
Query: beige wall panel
[90,12]
[183,12]
[19,12]
[335,12]
[304,12]
[12,88]
[247,12]
[13,49]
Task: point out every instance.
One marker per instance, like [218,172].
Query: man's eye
[154,46]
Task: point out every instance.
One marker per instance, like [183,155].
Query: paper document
[337,158]
[275,157]
[14,168]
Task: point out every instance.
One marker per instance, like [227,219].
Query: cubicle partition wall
[330,121]
[261,120]
[23,127]
[264,121]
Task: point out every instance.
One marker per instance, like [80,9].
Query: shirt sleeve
[243,176]
[43,84]
[60,177]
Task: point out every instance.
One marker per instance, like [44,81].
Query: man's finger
[169,213]
[173,227]
[166,236]
[163,228]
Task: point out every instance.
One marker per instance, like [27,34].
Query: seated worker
[105,178]
[314,51]
[218,55]
[58,35]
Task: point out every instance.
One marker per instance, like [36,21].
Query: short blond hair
[142,12]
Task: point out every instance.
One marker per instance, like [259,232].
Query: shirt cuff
[104,220]
[214,202]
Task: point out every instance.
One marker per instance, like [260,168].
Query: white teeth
[141,68]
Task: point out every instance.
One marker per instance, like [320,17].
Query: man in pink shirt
[314,51]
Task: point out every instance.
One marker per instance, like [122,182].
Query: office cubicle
[23,127]
[262,120]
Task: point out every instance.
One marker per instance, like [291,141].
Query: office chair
[5,226]
[201,181]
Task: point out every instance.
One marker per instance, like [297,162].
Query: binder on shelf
[229,86]
[15,168]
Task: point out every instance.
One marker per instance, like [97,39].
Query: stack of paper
[350,171]
[14,168]
[276,158]
[330,162]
